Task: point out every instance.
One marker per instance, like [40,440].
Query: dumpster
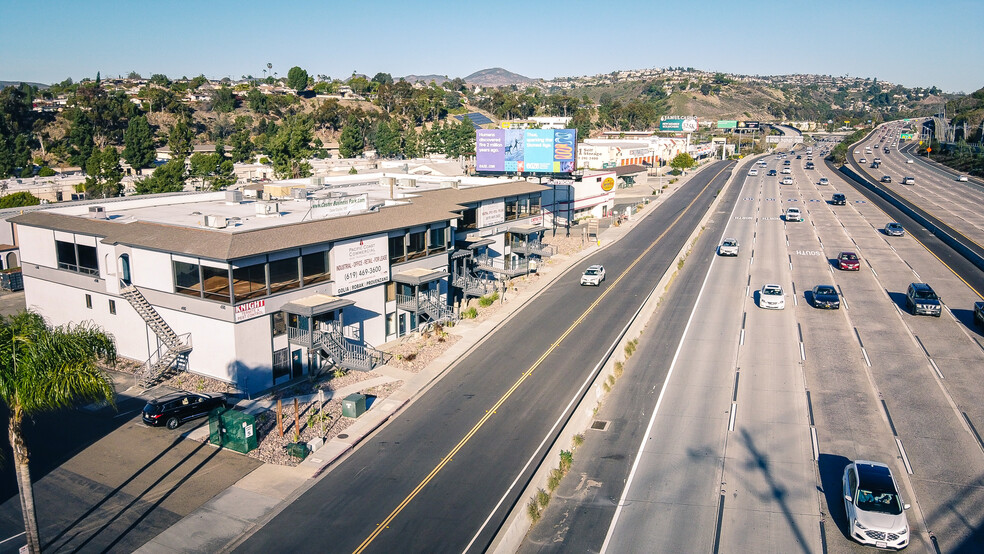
[354,405]
[232,429]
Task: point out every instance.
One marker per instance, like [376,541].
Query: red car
[848,261]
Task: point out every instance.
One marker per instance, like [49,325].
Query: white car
[875,510]
[786,171]
[594,275]
[823,181]
[787,180]
[962,178]
[729,247]
[909,161]
[771,297]
[753,172]
[863,160]
[793,214]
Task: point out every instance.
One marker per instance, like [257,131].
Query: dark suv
[176,408]
[921,299]
[838,199]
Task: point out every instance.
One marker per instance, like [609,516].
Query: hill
[5,84]
[439,79]
[497,77]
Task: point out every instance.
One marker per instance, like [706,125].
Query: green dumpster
[354,405]
[232,429]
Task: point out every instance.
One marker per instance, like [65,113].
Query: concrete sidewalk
[224,519]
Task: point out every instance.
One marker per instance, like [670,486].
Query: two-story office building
[256,293]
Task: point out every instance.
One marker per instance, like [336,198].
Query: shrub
[556,475]
[533,510]
[470,313]
[578,440]
[566,460]
[46,172]
[488,299]
[618,369]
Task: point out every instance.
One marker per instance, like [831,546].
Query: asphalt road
[581,509]
[432,479]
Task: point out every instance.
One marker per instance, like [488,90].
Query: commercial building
[305,277]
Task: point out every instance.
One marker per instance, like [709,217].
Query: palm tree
[43,369]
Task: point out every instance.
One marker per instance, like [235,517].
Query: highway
[729,463]
[437,478]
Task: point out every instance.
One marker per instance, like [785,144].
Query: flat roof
[177,224]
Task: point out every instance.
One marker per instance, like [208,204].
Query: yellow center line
[490,412]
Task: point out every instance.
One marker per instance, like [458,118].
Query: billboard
[727,124]
[360,263]
[748,125]
[680,125]
[525,150]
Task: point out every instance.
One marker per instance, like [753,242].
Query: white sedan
[962,178]
[594,275]
[771,297]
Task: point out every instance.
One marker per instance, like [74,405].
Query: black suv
[176,408]
[838,199]
[921,299]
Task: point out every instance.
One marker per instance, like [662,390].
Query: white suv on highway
[594,275]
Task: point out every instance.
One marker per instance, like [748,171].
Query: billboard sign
[525,150]
[343,205]
[679,125]
[748,125]
[727,124]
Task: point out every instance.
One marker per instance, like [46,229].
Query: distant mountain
[439,79]
[5,84]
[497,77]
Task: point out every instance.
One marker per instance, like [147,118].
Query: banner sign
[360,263]
[322,208]
[250,310]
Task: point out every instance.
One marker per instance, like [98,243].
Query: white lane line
[741,338]
[905,459]
[816,444]
[802,353]
[936,367]
[865,354]
[731,420]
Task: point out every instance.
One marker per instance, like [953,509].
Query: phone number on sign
[363,272]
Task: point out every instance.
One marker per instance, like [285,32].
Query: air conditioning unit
[234,196]
[298,194]
[216,221]
[407,183]
[267,209]
[97,212]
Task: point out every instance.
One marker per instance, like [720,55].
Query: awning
[472,243]
[419,276]
[527,229]
[316,304]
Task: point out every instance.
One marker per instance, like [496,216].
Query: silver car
[875,511]
[594,275]
[729,247]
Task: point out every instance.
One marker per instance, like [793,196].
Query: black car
[772,173]
[838,199]
[176,408]
[979,313]
[920,298]
[825,297]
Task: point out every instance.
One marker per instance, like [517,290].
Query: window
[416,247]
[77,257]
[281,363]
[215,283]
[279,324]
[88,301]
[524,207]
[249,282]
[112,307]
[187,279]
[512,208]
[391,291]
[284,275]
[398,248]
[535,205]
[469,219]
[314,268]
[437,240]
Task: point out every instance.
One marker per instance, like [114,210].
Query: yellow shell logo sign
[607,184]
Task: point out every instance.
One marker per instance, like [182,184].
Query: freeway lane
[343,509]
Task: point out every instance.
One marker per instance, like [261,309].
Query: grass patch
[488,299]
[470,313]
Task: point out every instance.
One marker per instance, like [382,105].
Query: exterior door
[125,269]
[296,364]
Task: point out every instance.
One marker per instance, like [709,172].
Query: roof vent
[267,209]
[234,196]
[97,212]
[216,221]
[407,183]
[299,193]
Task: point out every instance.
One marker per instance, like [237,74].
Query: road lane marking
[498,404]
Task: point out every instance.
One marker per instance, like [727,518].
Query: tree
[80,139]
[297,78]
[682,161]
[291,146]
[160,79]
[169,177]
[383,79]
[242,146]
[257,101]
[44,369]
[350,143]
[103,173]
[18,199]
[179,140]
[139,140]
[214,171]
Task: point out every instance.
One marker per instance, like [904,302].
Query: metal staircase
[437,311]
[474,286]
[348,355]
[172,354]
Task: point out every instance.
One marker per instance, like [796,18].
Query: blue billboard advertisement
[525,150]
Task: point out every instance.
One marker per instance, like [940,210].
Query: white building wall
[368,316]
[251,360]
[152,270]
[37,246]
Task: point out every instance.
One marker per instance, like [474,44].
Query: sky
[913,43]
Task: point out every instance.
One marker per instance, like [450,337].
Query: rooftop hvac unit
[317,181]
[267,209]
[97,212]
[299,194]
[233,196]
[216,221]
[407,183]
